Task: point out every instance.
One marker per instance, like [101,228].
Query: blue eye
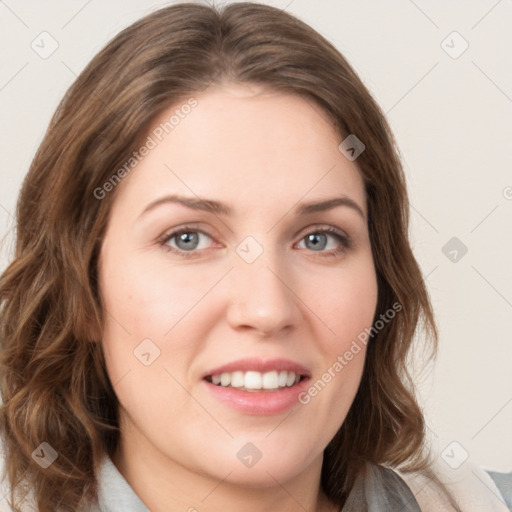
[186,241]
[318,240]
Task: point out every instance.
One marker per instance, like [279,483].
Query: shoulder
[471,487]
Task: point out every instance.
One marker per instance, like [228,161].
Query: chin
[259,469]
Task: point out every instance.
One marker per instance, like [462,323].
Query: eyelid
[318,227]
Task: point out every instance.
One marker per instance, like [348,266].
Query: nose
[262,299]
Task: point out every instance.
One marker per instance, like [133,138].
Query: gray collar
[114,492]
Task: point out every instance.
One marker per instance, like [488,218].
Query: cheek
[151,300]
[140,342]
[355,309]
[343,347]
[345,302]
[166,305]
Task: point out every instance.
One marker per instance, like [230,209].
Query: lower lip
[259,403]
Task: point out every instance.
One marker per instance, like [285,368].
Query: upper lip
[259,365]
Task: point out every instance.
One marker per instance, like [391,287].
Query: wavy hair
[53,378]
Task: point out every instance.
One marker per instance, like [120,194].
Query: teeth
[270,380]
[225,379]
[256,380]
[237,379]
[290,381]
[253,380]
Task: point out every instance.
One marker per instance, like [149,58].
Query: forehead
[247,143]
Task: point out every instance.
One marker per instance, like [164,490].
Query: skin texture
[262,153]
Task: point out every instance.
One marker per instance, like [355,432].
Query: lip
[261,402]
[259,365]
[258,403]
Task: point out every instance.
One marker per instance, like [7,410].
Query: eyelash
[345,242]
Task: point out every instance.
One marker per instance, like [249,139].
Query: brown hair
[54,383]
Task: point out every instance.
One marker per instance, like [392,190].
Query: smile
[256,381]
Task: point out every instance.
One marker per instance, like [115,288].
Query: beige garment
[472,487]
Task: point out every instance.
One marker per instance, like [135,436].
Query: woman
[213,295]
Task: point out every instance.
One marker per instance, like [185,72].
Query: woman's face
[258,296]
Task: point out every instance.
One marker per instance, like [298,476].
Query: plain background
[451,115]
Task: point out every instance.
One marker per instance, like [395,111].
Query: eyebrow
[218,207]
